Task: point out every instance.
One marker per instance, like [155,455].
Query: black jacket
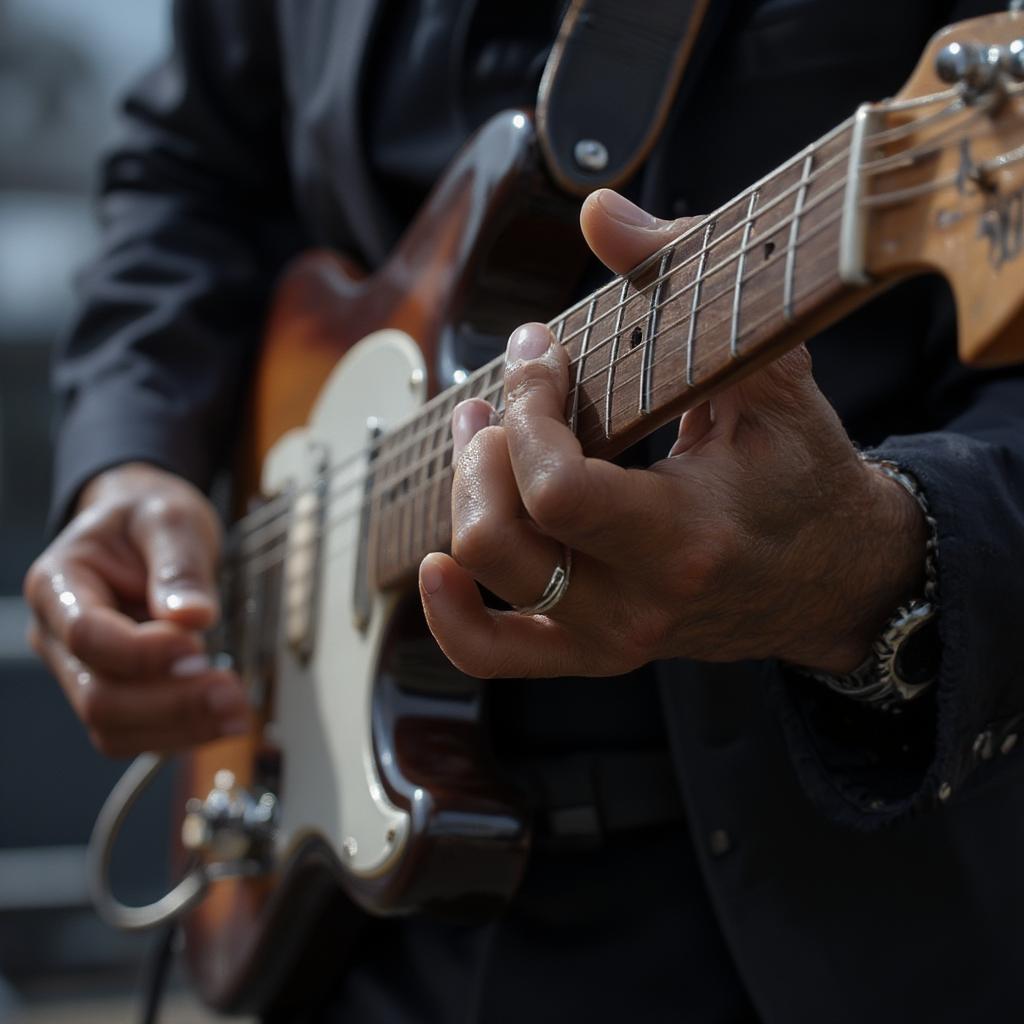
[273,127]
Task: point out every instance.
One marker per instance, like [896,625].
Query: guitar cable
[156,972]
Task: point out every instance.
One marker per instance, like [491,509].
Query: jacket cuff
[98,434]
[863,768]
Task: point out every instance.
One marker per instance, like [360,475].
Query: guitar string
[424,411]
[275,556]
[403,500]
[253,521]
[386,483]
[885,135]
[405,471]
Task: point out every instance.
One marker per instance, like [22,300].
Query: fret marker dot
[636,337]
[769,248]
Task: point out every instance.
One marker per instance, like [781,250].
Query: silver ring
[554,591]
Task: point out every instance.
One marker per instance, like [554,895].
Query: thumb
[621,234]
[179,539]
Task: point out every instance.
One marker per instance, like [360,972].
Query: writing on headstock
[939,175]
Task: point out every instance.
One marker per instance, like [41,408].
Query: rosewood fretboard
[753,279]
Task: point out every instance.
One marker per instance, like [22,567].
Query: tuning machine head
[980,68]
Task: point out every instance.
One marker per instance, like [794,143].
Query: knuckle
[166,511]
[476,545]
[78,636]
[529,381]
[94,708]
[704,564]
[554,499]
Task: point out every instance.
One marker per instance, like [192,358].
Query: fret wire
[707,303]
[274,505]
[390,463]
[613,357]
[580,361]
[277,507]
[748,227]
[794,231]
[652,334]
[232,566]
[829,193]
[620,386]
[822,282]
[346,514]
[252,526]
[698,283]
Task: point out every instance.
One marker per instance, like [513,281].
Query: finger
[491,644]
[468,419]
[182,709]
[587,504]
[491,537]
[783,393]
[179,540]
[73,604]
[621,234]
[695,425]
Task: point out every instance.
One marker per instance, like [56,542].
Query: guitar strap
[609,85]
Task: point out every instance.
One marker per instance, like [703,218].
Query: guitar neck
[736,290]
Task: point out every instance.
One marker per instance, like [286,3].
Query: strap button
[719,842]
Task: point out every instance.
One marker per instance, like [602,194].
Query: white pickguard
[322,708]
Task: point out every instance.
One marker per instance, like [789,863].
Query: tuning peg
[957,61]
[969,64]
[1012,59]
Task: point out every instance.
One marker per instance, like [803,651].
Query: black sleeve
[865,768]
[196,219]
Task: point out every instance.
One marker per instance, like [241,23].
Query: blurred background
[63,64]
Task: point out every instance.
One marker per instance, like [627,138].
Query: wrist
[126,478]
[882,567]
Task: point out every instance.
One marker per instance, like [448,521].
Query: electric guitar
[366,784]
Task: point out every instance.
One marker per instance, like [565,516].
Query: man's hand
[761,535]
[119,601]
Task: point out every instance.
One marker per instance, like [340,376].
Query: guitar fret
[647,359]
[741,262]
[580,359]
[698,282]
[794,231]
[613,357]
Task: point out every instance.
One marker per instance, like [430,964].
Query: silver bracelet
[878,681]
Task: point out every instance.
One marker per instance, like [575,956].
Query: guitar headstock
[941,183]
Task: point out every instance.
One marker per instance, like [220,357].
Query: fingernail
[225,697]
[430,577]
[621,209]
[176,600]
[466,423]
[235,726]
[190,665]
[528,342]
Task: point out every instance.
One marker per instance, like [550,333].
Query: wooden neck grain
[756,278]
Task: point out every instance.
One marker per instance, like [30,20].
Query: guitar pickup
[303,561]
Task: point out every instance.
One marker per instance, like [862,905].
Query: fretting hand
[762,534]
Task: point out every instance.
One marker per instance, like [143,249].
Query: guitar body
[374,745]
